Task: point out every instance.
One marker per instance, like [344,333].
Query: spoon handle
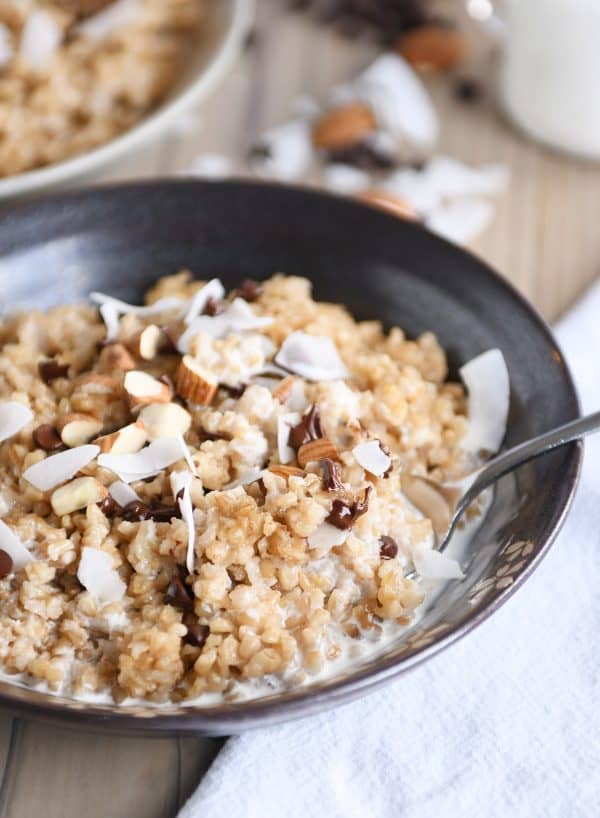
[507,461]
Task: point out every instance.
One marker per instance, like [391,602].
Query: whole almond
[433,48]
[388,202]
[344,126]
[320,449]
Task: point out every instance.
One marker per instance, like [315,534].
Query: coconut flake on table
[123,494]
[13,417]
[98,575]
[414,188]
[169,302]
[210,166]
[6,46]
[212,290]
[305,106]
[325,537]
[461,220]
[451,178]
[432,564]
[109,20]
[345,179]
[181,481]
[288,151]
[313,357]
[148,462]
[488,386]
[372,458]
[238,317]
[14,547]
[40,39]
[58,468]
[285,423]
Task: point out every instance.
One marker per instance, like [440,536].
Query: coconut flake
[325,537]
[60,467]
[314,357]
[13,417]
[110,316]
[181,481]
[245,479]
[414,188]
[109,20]
[432,564]
[170,302]
[288,151]
[213,289]
[98,575]
[285,423]
[123,494]
[450,178]
[462,220]
[238,317]
[6,46]
[345,179]
[210,166]
[372,458]
[488,385]
[40,39]
[187,454]
[14,547]
[148,462]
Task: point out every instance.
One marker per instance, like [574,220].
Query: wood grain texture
[544,238]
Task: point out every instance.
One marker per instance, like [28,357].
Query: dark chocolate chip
[47,438]
[364,156]
[170,345]
[343,514]
[178,594]
[197,635]
[331,475]
[234,391]
[308,429]
[388,548]
[6,564]
[249,290]
[213,307]
[136,511]
[51,370]
[468,90]
[109,506]
[260,152]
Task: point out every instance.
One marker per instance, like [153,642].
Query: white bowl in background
[219,43]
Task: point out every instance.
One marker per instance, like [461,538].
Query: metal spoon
[478,481]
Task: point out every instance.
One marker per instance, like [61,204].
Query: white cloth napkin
[504,723]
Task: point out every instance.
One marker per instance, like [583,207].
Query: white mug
[550,72]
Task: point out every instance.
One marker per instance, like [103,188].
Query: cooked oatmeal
[74,74]
[212,490]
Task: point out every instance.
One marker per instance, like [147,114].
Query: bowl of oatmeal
[83,82]
[230,416]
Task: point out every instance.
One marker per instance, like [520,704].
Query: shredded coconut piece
[60,467]
[314,357]
[13,417]
[98,575]
[181,481]
[13,546]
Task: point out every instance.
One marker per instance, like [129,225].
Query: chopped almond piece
[165,420]
[77,494]
[127,440]
[149,342]
[194,383]
[286,471]
[320,449]
[115,356]
[433,47]
[283,390]
[386,201]
[142,389]
[75,429]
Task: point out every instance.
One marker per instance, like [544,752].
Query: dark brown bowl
[121,239]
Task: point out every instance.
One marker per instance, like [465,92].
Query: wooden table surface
[545,238]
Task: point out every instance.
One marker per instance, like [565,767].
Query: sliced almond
[76,495]
[165,420]
[433,47]
[286,471]
[115,356]
[75,429]
[148,343]
[284,389]
[142,389]
[388,202]
[127,440]
[97,385]
[344,126]
[319,449]
[194,382]
[433,500]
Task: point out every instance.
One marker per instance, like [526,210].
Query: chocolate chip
[385,19]
[170,345]
[249,290]
[47,438]
[468,90]
[308,429]
[364,156]
[137,511]
[388,548]
[197,635]
[213,307]
[343,514]
[260,152]
[6,564]
[51,370]
[178,594]
[331,475]
[109,506]
[234,391]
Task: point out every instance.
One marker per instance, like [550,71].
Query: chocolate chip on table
[178,594]
[51,370]
[6,563]
[249,290]
[468,90]
[331,475]
[46,437]
[385,19]
[196,635]
[308,429]
[388,549]
[343,514]
[362,155]
[260,152]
